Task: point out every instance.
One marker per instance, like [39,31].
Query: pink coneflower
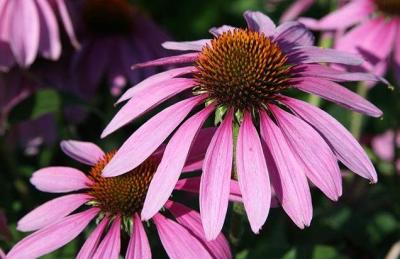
[385,145]
[242,74]
[29,27]
[116,203]
[113,34]
[369,22]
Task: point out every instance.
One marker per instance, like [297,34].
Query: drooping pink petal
[178,59]
[311,150]
[84,152]
[141,144]
[91,243]
[138,247]
[252,176]
[111,243]
[290,34]
[49,40]
[257,21]
[59,179]
[338,94]
[7,59]
[24,31]
[215,179]
[171,165]
[52,237]
[287,175]
[159,78]
[348,15]
[177,240]
[347,149]
[196,45]
[217,31]
[66,20]
[311,54]
[51,211]
[218,248]
[146,100]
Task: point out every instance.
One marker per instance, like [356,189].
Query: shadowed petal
[311,54]
[171,165]
[217,31]
[252,176]
[111,243]
[196,45]
[58,179]
[66,20]
[138,247]
[290,34]
[178,59]
[215,179]
[84,152]
[257,21]
[91,243]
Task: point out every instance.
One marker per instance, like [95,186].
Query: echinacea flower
[29,28]
[113,34]
[242,75]
[367,22]
[385,145]
[116,203]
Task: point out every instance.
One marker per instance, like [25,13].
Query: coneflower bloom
[242,75]
[116,204]
[368,21]
[114,34]
[29,27]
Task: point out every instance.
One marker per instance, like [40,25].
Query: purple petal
[218,248]
[197,45]
[58,179]
[338,94]
[253,177]
[295,9]
[170,167]
[215,180]
[178,59]
[138,247]
[51,211]
[111,243]
[290,34]
[257,21]
[141,144]
[217,31]
[52,237]
[7,59]
[146,100]
[178,241]
[84,152]
[347,149]
[89,247]
[311,150]
[311,54]
[66,20]
[287,175]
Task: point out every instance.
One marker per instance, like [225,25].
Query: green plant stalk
[357,119]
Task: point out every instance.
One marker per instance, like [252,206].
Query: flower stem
[357,118]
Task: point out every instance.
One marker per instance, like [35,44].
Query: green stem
[357,118]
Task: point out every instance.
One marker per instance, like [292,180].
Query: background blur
[365,223]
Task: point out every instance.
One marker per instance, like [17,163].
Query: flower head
[116,203]
[265,137]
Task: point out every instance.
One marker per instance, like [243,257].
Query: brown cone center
[390,7]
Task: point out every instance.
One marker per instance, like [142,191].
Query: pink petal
[58,179]
[257,21]
[295,9]
[171,165]
[84,152]
[111,243]
[218,248]
[397,49]
[66,20]
[52,237]
[49,40]
[290,34]
[7,59]
[146,100]
[141,144]
[178,59]
[338,94]
[178,241]
[311,150]
[52,211]
[349,41]
[24,31]
[217,31]
[159,78]
[252,176]
[91,243]
[138,247]
[311,54]
[347,149]
[215,180]
[197,45]
[287,175]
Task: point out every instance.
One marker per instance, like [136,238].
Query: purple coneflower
[116,203]
[242,74]
[369,22]
[29,27]
[113,34]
